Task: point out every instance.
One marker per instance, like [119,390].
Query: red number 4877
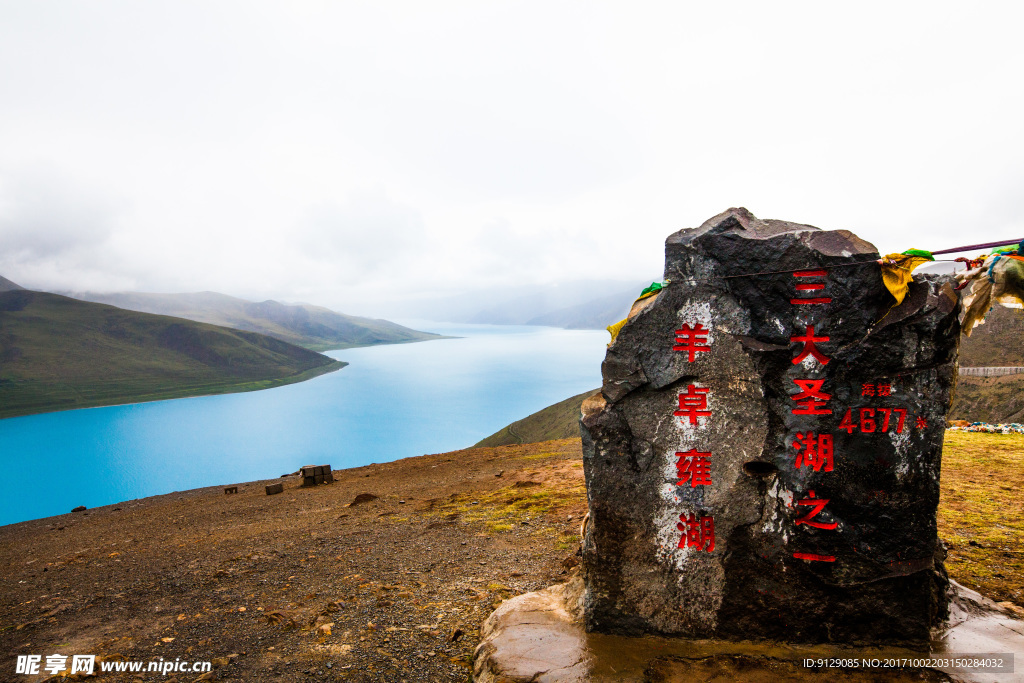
[870,419]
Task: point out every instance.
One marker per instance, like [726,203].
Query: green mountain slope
[989,399]
[312,327]
[559,421]
[58,353]
[998,342]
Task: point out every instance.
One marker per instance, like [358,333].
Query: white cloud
[505,142]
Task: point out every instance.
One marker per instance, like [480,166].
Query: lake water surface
[390,402]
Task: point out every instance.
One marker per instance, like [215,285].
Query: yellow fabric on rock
[614,329]
[898,273]
[617,327]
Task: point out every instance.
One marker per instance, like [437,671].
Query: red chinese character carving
[698,532]
[818,504]
[810,287]
[814,557]
[691,340]
[693,403]
[867,390]
[921,423]
[811,398]
[885,389]
[810,349]
[814,451]
[695,467]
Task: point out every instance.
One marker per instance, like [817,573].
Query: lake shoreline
[215,389]
[392,401]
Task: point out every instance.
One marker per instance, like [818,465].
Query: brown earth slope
[201,575]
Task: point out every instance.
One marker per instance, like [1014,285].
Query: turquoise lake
[390,402]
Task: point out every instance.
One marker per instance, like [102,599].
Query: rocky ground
[305,586]
[302,585]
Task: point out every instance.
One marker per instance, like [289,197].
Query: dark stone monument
[765,461]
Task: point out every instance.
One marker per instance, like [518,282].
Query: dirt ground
[303,586]
[299,586]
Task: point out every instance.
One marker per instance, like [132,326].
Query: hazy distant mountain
[596,314]
[520,305]
[309,326]
[58,353]
[7,286]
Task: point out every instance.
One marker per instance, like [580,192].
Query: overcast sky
[355,153]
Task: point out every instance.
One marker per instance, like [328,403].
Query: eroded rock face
[735,493]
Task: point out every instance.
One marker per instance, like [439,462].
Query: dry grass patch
[534,505]
[981,512]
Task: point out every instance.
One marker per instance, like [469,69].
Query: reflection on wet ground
[538,637]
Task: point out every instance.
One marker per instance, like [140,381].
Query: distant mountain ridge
[595,314]
[7,286]
[520,304]
[58,353]
[312,327]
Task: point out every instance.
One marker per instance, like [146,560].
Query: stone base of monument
[539,637]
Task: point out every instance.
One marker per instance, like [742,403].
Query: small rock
[456,634]
[974,543]
[499,473]
[401,502]
[80,508]
[275,488]
[363,498]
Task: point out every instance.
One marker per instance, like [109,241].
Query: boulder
[764,460]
